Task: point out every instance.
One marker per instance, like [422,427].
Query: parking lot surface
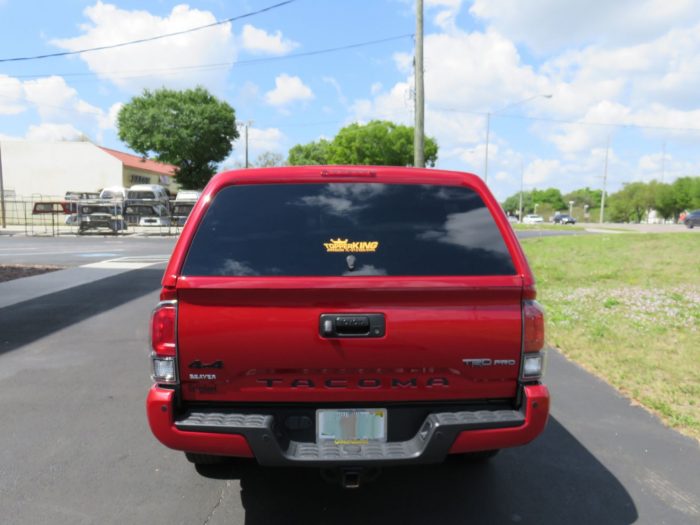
[75,445]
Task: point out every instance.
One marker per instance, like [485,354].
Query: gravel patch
[16,271]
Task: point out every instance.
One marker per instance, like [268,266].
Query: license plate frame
[351,426]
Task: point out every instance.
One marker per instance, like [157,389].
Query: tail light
[533,341]
[164,343]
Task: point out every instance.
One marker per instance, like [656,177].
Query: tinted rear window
[347,229]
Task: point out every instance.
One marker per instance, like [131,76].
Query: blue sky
[623,72]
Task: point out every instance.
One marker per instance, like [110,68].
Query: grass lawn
[627,307]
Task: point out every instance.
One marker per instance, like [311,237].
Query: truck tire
[204,459]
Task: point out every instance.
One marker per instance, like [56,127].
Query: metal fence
[47,215]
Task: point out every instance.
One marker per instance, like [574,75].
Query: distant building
[50,169]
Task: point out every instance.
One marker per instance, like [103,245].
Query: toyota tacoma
[346,318]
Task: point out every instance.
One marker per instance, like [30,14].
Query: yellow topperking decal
[344,246]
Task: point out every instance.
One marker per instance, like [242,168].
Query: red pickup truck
[346,317]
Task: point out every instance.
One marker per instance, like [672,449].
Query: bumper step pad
[431,443]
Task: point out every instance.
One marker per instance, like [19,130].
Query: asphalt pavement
[74,250]
[75,447]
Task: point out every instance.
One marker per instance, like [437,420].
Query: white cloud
[55,100]
[168,62]
[547,25]
[109,121]
[449,9]
[395,105]
[288,89]
[258,40]
[11,96]
[51,132]
[541,170]
[475,71]
[51,96]
[60,109]
[261,140]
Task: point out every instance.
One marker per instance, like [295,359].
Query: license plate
[351,426]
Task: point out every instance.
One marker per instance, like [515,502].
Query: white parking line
[129,263]
[116,265]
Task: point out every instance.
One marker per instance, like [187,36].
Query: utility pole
[520,207]
[605,182]
[663,163]
[246,145]
[246,124]
[419,128]
[2,191]
[486,155]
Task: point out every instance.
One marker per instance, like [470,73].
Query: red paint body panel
[160,408]
[265,335]
[536,415]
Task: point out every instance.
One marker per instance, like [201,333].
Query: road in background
[78,251]
[75,447]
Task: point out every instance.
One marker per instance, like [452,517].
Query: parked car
[182,206]
[100,214]
[113,193]
[692,219]
[147,205]
[149,192]
[533,219]
[146,213]
[564,219]
[382,331]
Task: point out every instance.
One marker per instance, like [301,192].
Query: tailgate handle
[352,325]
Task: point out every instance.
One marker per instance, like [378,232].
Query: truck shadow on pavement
[554,480]
[28,321]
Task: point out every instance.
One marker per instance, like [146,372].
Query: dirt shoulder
[16,271]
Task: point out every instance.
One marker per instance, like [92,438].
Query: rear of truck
[340,316]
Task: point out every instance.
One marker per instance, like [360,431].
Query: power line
[220,65]
[148,39]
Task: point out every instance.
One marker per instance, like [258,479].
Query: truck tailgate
[240,340]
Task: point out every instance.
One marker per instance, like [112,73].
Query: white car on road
[533,219]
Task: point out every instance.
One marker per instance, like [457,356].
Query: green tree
[631,203]
[191,129]
[269,159]
[687,193]
[550,196]
[311,154]
[378,142]
[512,204]
[665,201]
[584,197]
